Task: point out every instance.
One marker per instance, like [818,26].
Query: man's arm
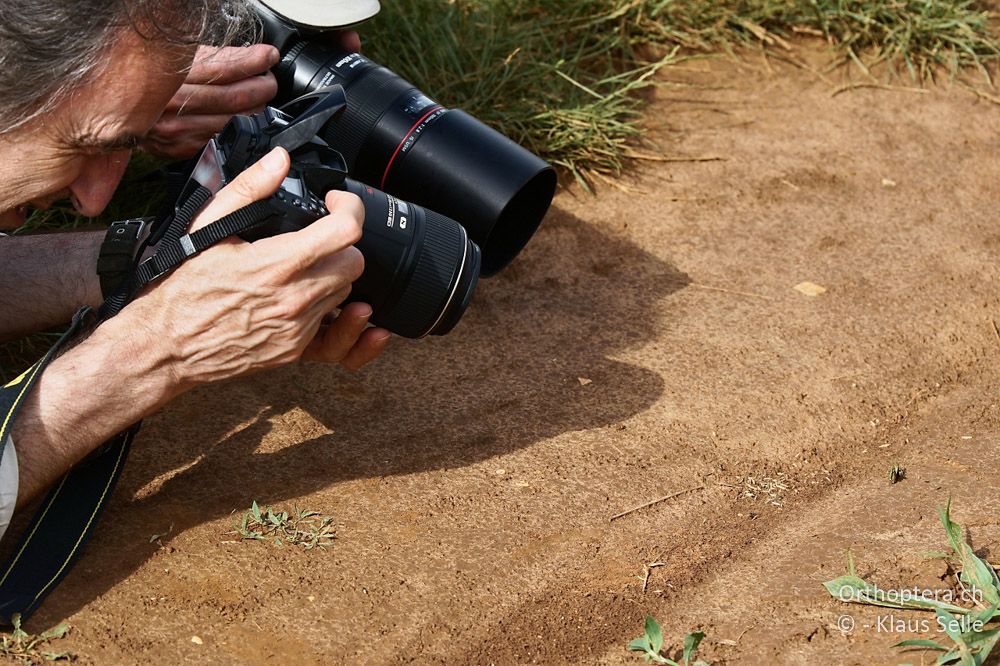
[45,278]
[236,308]
[97,389]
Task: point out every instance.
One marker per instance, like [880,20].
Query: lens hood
[319,15]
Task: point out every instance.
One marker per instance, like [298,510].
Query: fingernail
[273,56]
[365,312]
[274,161]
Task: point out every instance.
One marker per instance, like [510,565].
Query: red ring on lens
[409,133]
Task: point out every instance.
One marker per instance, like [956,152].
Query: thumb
[258,182]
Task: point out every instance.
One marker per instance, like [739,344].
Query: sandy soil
[472,478]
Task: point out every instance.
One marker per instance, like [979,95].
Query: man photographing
[83,84]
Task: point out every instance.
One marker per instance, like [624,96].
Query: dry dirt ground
[646,342]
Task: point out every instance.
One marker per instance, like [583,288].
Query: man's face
[80,149]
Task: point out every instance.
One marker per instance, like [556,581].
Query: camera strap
[66,518]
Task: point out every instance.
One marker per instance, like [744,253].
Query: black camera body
[421,269]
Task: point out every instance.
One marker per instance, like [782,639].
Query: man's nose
[94,187]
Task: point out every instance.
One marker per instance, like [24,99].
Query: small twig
[877,86]
[850,375]
[611,183]
[993,99]
[648,568]
[696,285]
[660,158]
[656,501]
[806,30]
[764,35]
[763,57]
[730,641]
[802,65]
[996,331]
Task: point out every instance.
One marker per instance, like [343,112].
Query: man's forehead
[126,96]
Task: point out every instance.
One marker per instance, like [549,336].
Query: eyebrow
[126,141]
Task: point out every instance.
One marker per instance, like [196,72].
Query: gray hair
[49,48]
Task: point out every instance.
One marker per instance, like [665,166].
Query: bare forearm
[82,399]
[236,308]
[45,279]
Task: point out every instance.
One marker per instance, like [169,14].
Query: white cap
[325,13]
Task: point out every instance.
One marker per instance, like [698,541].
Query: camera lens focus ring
[432,288]
[378,89]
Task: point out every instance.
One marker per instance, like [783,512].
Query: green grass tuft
[562,76]
[916,36]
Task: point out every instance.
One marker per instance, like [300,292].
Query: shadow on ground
[507,378]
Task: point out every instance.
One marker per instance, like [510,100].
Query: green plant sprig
[301,527]
[972,639]
[26,648]
[651,642]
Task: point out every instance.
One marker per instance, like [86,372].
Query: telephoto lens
[396,138]
[421,268]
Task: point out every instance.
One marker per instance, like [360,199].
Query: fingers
[181,150]
[223,99]
[334,343]
[350,41]
[323,238]
[222,83]
[366,349]
[231,63]
[346,340]
[183,137]
[320,288]
[258,182]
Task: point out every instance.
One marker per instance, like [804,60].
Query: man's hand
[223,82]
[241,306]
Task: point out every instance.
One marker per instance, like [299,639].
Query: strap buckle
[118,251]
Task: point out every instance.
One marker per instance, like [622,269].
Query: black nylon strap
[54,540]
[186,212]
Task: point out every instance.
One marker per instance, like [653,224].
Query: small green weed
[25,648]
[301,527]
[967,627]
[651,642]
